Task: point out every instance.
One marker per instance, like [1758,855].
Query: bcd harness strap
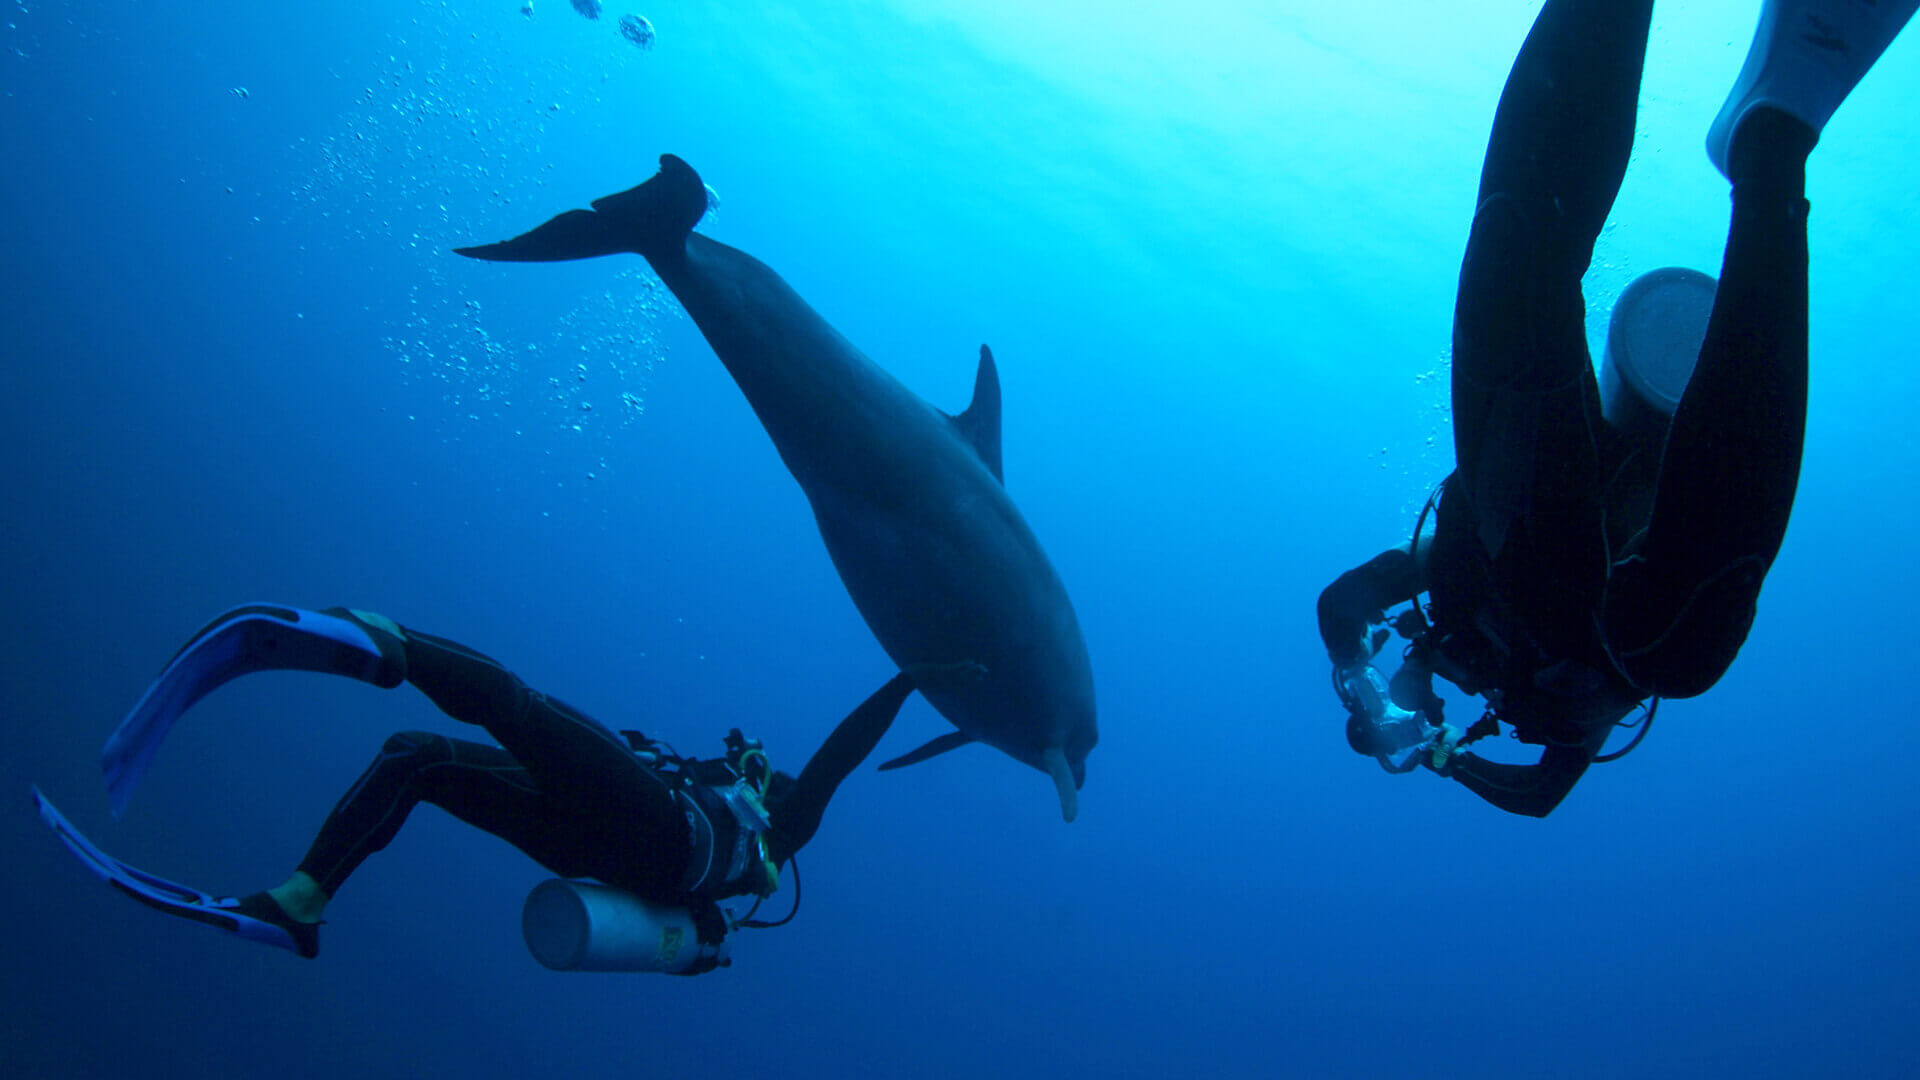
[723,800]
[1488,654]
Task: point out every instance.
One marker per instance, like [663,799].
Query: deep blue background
[1213,248]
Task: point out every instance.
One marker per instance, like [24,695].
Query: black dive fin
[652,219]
[950,741]
[980,424]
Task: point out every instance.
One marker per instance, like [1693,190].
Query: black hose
[752,923]
[1652,707]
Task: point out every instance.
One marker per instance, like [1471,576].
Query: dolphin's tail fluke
[652,220]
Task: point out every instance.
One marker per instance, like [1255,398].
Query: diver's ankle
[1770,145]
[387,636]
[300,897]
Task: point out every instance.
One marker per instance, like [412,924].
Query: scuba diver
[666,837]
[1582,564]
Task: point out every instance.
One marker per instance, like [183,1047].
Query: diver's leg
[1564,127]
[572,758]
[1679,611]
[1525,404]
[482,780]
[1677,614]
[482,786]
[569,753]
[493,788]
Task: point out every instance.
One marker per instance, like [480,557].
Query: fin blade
[952,740]
[249,638]
[980,423]
[156,892]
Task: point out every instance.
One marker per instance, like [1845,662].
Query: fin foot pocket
[262,908]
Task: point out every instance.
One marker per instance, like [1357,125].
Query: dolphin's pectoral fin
[576,234]
[1063,783]
[980,424]
[950,741]
[652,219]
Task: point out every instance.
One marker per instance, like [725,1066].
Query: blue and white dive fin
[255,637]
[166,896]
[1807,56]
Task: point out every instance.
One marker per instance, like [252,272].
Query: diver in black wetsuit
[1577,570]
[578,799]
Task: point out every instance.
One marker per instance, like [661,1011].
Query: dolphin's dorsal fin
[980,424]
[950,741]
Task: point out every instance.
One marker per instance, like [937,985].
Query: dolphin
[909,500]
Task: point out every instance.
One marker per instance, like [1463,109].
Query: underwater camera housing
[1400,739]
[1379,727]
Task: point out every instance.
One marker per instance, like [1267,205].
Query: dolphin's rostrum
[909,500]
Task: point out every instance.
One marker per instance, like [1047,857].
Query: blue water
[1213,245]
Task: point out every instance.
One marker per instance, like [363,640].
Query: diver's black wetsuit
[565,790]
[1613,571]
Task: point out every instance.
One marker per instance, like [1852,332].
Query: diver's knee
[415,748]
[1695,646]
[1526,244]
[1502,216]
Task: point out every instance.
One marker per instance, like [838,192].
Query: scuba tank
[1653,342]
[585,926]
[573,925]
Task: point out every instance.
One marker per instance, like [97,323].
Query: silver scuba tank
[1653,341]
[586,926]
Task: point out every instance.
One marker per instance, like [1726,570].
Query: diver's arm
[1533,790]
[796,817]
[1359,597]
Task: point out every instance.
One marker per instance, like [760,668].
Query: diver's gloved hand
[1350,609]
[1442,754]
[1344,628]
